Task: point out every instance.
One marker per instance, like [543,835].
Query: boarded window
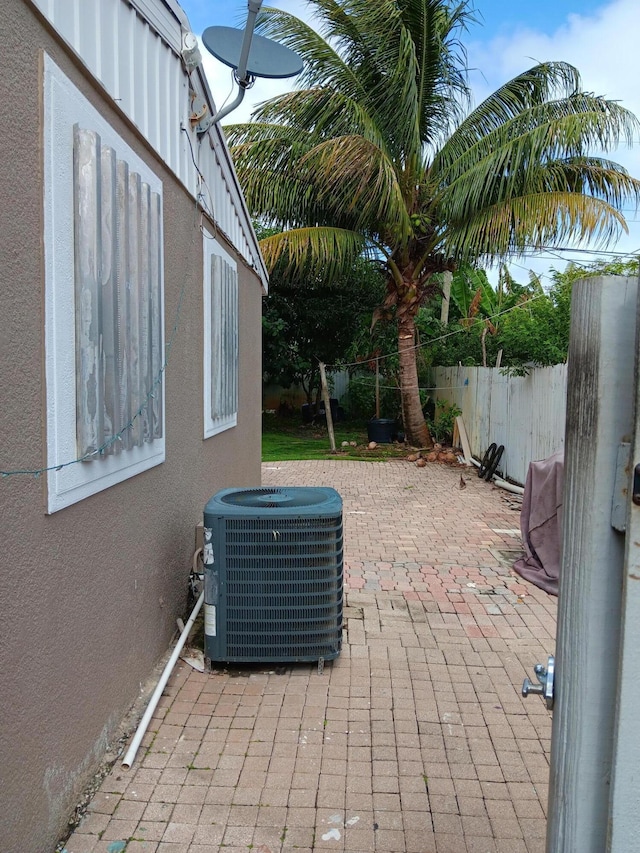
[104,291]
[117,242]
[221,342]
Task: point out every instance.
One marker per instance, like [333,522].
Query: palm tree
[378,153]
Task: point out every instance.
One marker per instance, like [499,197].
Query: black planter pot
[381,430]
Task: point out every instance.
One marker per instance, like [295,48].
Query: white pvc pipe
[503,484]
[509,487]
[130,755]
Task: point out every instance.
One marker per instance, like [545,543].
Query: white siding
[525,414]
[136,57]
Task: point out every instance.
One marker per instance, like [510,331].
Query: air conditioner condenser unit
[273,561]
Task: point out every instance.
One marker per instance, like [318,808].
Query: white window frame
[70,481]
[214,426]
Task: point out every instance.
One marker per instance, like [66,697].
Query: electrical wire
[431,341]
[193,157]
[202,182]
[94,454]
[535,251]
[378,358]
[367,384]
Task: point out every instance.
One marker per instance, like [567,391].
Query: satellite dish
[266,58]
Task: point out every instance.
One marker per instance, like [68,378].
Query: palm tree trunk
[416,430]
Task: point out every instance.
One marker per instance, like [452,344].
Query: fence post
[625,796]
[599,416]
[447,278]
[327,406]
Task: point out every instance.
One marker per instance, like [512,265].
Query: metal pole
[240,73]
[254,8]
[599,417]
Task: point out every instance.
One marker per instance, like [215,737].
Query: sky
[600,38]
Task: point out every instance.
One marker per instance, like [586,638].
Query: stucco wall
[90,594]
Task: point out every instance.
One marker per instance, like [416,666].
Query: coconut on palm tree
[377,152]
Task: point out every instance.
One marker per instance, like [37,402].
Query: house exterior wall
[89,595]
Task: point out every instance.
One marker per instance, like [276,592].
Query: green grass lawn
[286,438]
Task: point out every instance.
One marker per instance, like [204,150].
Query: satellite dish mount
[250,56]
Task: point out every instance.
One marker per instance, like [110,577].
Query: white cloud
[603,46]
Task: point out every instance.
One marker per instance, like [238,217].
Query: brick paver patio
[415,740]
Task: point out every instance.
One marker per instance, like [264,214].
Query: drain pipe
[503,484]
[507,486]
[130,755]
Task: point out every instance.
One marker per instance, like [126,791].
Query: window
[220,339]
[104,301]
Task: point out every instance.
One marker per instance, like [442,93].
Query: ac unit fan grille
[283,588]
[274,498]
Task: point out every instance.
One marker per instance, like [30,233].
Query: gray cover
[541,523]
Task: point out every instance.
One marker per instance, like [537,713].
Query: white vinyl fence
[525,414]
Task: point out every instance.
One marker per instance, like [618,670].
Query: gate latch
[545,676]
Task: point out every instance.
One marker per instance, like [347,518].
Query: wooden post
[327,406]
[599,416]
[447,278]
[464,440]
[378,388]
[625,796]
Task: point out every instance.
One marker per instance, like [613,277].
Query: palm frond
[547,81]
[443,91]
[266,158]
[485,186]
[401,59]
[550,130]
[322,63]
[356,178]
[318,113]
[315,252]
[345,181]
[533,221]
[542,148]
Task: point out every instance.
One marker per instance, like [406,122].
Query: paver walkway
[415,740]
